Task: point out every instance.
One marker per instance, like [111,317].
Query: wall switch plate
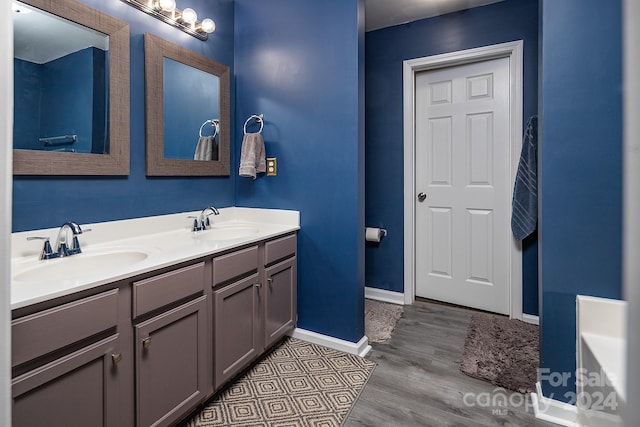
[272,166]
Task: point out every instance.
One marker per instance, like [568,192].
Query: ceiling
[34,45]
[30,45]
[386,13]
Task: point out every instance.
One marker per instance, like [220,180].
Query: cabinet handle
[270,281]
[146,343]
[116,358]
[258,285]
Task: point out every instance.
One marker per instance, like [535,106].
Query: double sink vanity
[151,318]
[133,322]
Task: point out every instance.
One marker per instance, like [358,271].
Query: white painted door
[463,233]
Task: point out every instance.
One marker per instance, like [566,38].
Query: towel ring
[214,123]
[258,118]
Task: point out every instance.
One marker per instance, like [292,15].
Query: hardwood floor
[418,383]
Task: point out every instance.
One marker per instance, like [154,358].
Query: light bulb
[208,26]
[189,15]
[167,5]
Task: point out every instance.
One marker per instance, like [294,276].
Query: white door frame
[631,249]
[6,182]
[511,50]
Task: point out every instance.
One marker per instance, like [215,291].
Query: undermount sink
[219,232]
[84,264]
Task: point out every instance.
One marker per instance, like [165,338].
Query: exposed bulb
[208,26]
[189,15]
[167,5]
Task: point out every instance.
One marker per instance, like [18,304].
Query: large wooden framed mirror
[187,101]
[71,90]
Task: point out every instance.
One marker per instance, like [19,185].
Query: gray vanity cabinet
[171,364]
[280,314]
[80,389]
[147,350]
[171,348]
[254,303]
[237,339]
[280,297]
[67,364]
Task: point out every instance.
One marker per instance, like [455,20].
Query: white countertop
[165,240]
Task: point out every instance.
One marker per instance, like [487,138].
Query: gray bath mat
[502,351]
[380,319]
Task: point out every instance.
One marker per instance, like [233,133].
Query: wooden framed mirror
[73,126]
[186,95]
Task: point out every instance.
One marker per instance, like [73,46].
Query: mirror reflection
[187,111]
[60,84]
[191,113]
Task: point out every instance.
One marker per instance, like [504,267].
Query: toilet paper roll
[372,234]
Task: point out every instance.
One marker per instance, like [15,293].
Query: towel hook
[259,118]
[216,126]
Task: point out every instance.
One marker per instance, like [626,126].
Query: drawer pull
[146,343]
[116,358]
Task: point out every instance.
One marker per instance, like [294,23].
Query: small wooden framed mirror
[187,102]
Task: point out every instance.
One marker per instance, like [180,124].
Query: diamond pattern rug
[297,384]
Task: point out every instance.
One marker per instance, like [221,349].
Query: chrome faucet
[62,241]
[62,247]
[202,222]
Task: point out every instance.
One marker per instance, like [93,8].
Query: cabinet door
[280,301]
[237,338]
[171,367]
[79,389]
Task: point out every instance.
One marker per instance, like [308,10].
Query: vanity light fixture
[186,19]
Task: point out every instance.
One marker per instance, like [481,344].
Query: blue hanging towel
[524,215]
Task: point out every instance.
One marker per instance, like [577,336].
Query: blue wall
[188,95]
[66,104]
[300,63]
[100,143]
[48,105]
[580,170]
[27,88]
[40,202]
[386,49]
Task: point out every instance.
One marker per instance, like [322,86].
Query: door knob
[421,197]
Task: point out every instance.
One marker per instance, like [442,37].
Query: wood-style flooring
[418,382]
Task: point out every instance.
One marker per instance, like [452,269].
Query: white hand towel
[204,149]
[252,156]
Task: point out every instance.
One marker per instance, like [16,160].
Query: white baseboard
[361,348]
[530,318]
[384,295]
[552,410]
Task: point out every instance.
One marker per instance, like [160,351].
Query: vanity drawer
[49,330]
[278,249]
[235,264]
[162,290]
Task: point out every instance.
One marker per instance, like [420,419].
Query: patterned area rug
[297,384]
[502,351]
[380,318]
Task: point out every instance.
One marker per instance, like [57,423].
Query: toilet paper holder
[374,234]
